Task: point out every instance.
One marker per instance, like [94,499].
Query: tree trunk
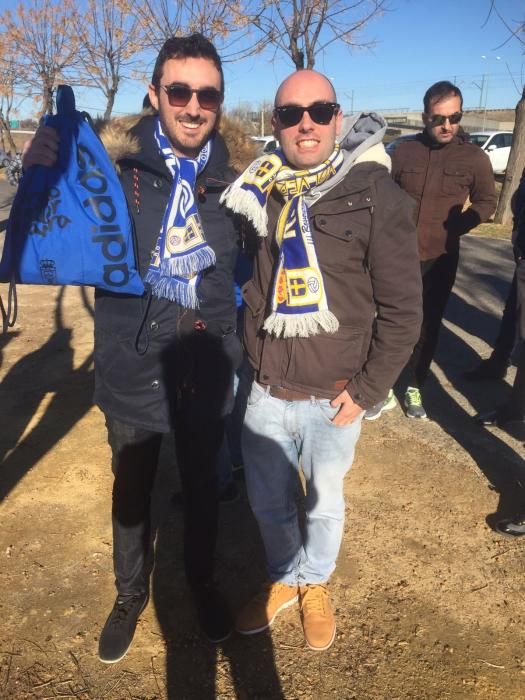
[47,99]
[297,54]
[6,129]
[515,166]
[109,104]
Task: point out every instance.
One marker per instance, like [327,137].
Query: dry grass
[492,230]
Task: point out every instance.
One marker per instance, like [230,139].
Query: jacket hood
[131,138]
[360,132]
[361,141]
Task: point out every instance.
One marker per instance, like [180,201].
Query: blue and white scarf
[181,253]
[299,304]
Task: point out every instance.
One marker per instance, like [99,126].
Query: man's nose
[193,106]
[306,123]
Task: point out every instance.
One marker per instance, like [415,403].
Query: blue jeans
[278,438]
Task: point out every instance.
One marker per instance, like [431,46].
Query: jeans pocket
[328,413]
[256,396]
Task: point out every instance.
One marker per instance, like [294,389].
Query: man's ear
[424,117]
[338,122]
[153,96]
[274,126]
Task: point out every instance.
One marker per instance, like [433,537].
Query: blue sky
[418,43]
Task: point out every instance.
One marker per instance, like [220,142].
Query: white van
[496,145]
[265,144]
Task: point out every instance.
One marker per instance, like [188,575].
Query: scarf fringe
[173,289]
[246,203]
[301,326]
[187,264]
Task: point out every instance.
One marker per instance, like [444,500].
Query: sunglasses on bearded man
[179,95]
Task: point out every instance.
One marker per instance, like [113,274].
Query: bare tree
[111,40]
[226,24]
[11,78]
[42,37]
[516,164]
[304,29]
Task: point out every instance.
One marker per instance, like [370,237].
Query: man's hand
[348,410]
[42,149]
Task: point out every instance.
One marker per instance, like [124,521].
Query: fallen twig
[498,554]
[77,664]
[479,588]
[161,693]
[489,664]
[10,654]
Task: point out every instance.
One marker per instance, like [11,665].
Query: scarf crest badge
[181,253]
[299,305]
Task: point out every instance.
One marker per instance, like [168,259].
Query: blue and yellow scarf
[299,304]
[181,253]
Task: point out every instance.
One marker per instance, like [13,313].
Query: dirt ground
[429,599]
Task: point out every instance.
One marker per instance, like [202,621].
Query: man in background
[440,170]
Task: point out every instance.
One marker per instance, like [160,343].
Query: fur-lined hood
[119,140]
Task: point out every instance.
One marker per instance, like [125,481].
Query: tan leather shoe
[317,616]
[260,612]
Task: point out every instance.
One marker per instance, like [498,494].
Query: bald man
[333,312]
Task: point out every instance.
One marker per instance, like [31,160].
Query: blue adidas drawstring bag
[70,223]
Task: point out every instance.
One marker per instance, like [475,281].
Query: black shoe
[511,527]
[213,613]
[117,635]
[230,494]
[486,370]
[488,418]
[513,425]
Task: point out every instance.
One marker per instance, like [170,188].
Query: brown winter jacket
[366,248]
[440,178]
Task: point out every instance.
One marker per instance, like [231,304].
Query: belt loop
[313,400]
[267,390]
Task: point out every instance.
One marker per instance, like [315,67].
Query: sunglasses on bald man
[319,112]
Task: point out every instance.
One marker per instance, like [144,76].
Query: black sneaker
[512,527]
[487,370]
[117,634]
[213,613]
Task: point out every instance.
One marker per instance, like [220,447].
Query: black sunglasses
[319,112]
[440,119]
[180,95]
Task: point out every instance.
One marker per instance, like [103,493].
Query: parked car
[265,144]
[392,145]
[5,159]
[496,145]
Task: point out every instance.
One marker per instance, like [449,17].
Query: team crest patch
[281,288]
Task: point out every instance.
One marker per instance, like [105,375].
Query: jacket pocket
[341,237]
[455,180]
[412,180]
[324,360]
[253,320]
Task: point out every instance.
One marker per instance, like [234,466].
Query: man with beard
[164,361]
[439,169]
